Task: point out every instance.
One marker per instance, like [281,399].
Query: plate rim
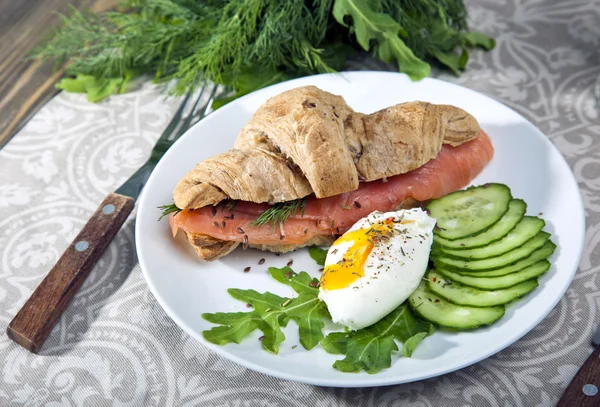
[371,381]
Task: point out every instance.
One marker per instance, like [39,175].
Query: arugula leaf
[248,44]
[307,310]
[272,312]
[270,309]
[317,254]
[96,89]
[235,326]
[370,349]
[309,313]
[369,25]
[475,39]
[411,343]
[300,282]
[455,62]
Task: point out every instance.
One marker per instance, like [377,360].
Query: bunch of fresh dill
[248,44]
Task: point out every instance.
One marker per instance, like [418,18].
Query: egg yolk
[352,266]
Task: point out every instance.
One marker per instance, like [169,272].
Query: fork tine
[186,123]
[197,113]
[212,97]
[175,120]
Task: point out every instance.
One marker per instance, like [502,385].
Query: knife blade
[35,320]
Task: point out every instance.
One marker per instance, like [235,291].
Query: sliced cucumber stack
[486,253]
[470,211]
[516,211]
[434,309]
[460,294]
[498,283]
[526,229]
[540,254]
[505,259]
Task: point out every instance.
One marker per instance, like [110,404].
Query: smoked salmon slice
[452,169]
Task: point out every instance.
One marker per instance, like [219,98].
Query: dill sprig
[231,205]
[280,212]
[249,44]
[168,209]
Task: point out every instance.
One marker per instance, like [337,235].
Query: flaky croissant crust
[306,141]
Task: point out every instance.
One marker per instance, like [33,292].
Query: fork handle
[35,320]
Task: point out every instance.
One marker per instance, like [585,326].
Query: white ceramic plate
[185,286]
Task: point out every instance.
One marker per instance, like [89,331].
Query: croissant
[307,141]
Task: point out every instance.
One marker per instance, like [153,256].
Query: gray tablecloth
[115,346]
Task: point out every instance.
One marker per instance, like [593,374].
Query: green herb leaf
[370,349]
[299,282]
[317,254]
[269,307]
[272,312]
[96,89]
[249,44]
[411,343]
[369,25]
[455,62]
[235,326]
[277,214]
[231,205]
[475,39]
[307,310]
[168,209]
[309,313]
[451,60]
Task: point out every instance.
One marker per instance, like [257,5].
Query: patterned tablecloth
[115,346]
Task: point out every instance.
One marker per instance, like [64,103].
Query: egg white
[392,271]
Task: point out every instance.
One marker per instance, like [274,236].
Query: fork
[35,320]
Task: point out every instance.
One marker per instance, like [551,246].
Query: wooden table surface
[25,84]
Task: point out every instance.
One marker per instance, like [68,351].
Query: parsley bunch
[249,44]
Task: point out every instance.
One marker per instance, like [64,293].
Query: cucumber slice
[516,211]
[540,254]
[496,283]
[439,311]
[464,295]
[494,262]
[525,230]
[466,212]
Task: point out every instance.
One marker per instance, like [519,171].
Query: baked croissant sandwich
[306,167]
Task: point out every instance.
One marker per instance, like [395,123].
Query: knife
[35,320]
[583,391]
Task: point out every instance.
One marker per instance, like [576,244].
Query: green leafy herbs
[277,214]
[475,39]
[318,254]
[230,205]
[272,312]
[95,88]
[249,44]
[168,209]
[370,349]
[382,29]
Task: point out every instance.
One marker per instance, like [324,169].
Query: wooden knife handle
[584,389]
[35,320]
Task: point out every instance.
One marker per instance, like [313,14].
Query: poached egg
[375,266]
